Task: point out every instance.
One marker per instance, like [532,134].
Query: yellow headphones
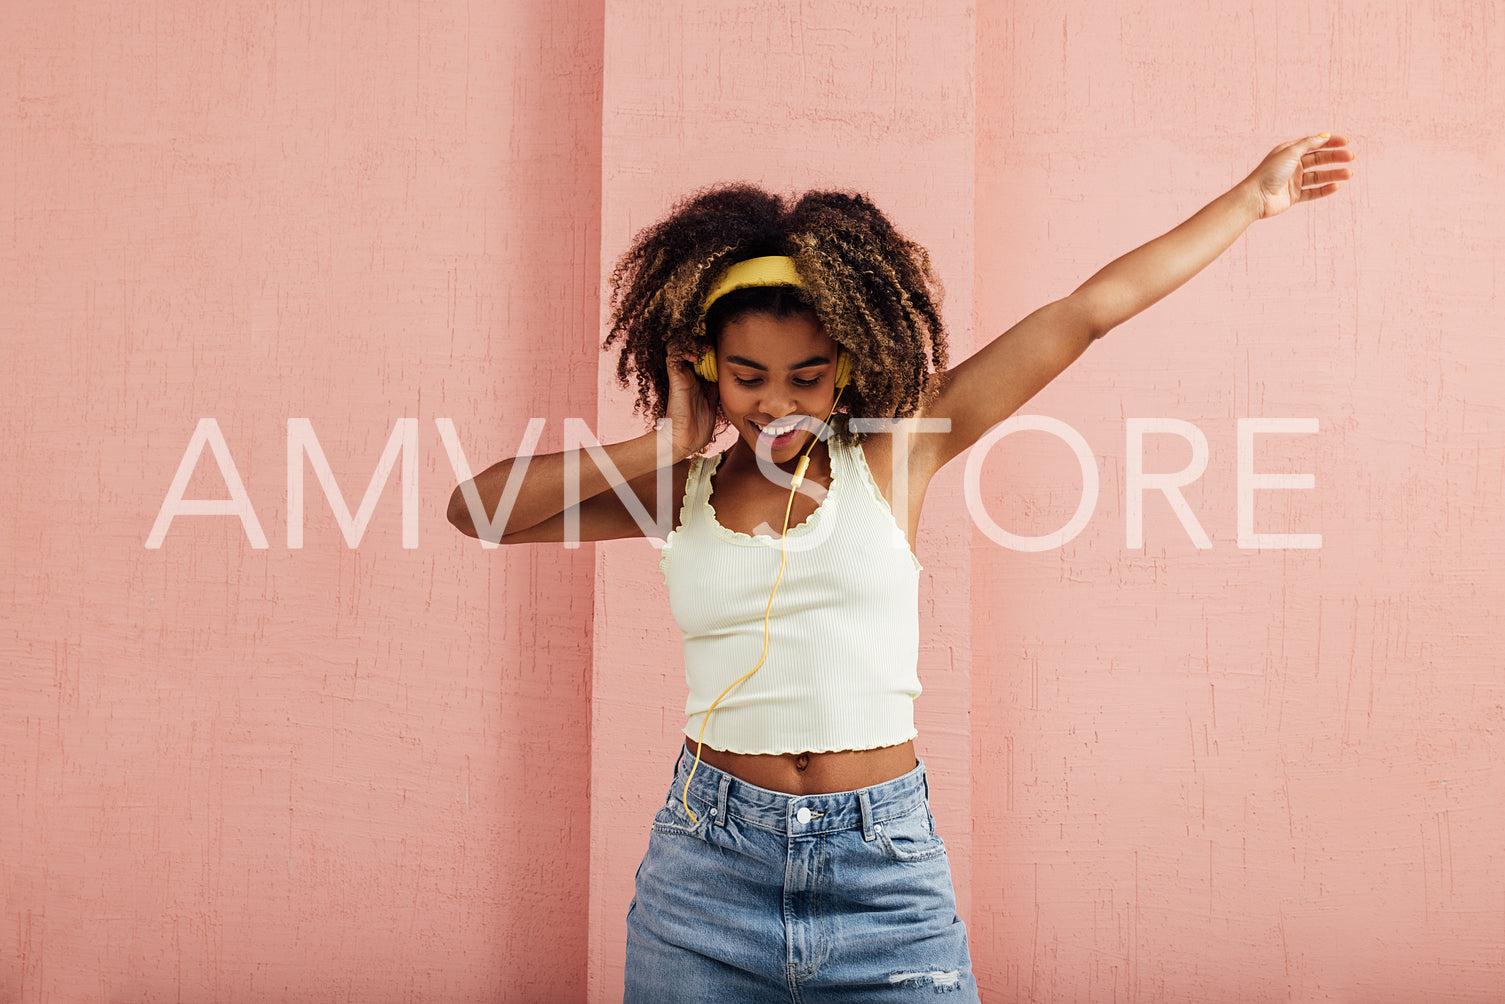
[771,270]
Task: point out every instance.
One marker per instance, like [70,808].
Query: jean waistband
[724,796]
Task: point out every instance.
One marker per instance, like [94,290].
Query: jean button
[803,815]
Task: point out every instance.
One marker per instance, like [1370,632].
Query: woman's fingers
[1303,169]
[1310,179]
[1327,158]
[1321,158]
[1322,170]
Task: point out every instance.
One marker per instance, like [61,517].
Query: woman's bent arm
[541,500]
[541,509]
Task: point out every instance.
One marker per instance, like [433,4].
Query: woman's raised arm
[992,384]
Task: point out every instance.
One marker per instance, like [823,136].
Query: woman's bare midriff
[813,773]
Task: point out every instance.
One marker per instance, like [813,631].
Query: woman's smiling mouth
[780,432]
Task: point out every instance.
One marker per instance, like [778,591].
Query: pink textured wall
[1231,774]
[390,773]
[328,773]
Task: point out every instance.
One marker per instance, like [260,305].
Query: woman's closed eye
[797,381]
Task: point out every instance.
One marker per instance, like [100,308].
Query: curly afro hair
[872,290]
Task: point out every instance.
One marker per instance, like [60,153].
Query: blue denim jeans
[795,898]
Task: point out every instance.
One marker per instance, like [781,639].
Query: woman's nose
[777,405]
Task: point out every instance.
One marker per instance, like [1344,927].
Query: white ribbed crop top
[843,650]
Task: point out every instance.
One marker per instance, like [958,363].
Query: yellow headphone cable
[795,482]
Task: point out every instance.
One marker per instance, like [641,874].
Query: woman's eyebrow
[812,361]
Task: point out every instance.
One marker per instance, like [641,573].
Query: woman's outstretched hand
[1300,171]
[692,408]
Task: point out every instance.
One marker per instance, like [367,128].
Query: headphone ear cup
[705,366]
[843,368]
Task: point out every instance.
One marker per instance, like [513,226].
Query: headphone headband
[770,270]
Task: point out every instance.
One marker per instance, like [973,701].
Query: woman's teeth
[777,430]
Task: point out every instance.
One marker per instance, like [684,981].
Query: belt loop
[924,780]
[866,806]
[726,783]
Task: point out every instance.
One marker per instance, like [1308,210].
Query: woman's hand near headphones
[692,408]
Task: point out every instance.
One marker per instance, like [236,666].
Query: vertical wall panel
[330,772]
[1234,774]
[856,95]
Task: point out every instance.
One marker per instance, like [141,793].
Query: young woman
[795,857]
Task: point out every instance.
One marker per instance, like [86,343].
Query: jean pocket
[672,818]
[910,837]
